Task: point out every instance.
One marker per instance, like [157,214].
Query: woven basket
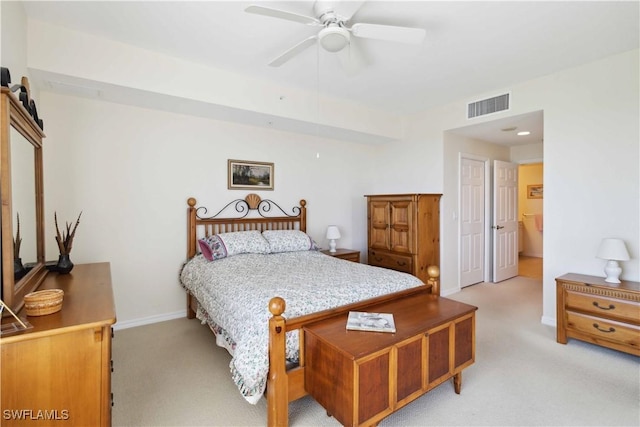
[39,303]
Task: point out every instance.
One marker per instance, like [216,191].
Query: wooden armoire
[404,232]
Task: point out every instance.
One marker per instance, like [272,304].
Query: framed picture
[534,191]
[243,174]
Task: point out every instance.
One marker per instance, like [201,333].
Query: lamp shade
[333,232]
[613,249]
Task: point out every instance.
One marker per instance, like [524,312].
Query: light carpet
[172,374]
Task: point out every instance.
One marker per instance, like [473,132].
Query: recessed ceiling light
[524,133]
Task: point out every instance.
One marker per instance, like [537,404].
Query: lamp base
[332,245]
[613,271]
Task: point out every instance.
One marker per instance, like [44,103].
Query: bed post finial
[191,202]
[434,273]
[303,215]
[277,306]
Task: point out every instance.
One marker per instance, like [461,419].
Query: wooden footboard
[284,386]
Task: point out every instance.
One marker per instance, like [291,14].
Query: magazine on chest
[374,322]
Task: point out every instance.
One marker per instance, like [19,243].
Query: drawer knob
[401,263]
[611,306]
[595,325]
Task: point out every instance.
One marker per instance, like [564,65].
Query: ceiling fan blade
[389,33]
[282,14]
[293,51]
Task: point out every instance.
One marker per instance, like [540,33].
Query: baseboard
[549,321]
[447,292]
[531,255]
[148,320]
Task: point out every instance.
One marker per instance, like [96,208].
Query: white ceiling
[470,48]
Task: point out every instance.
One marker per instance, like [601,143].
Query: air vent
[488,106]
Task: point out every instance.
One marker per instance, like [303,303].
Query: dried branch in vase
[17,241]
[65,240]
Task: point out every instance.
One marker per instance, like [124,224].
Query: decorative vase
[64,265]
[18,269]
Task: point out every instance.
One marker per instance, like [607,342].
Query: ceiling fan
[336,30]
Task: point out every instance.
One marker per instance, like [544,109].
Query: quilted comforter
[234,293]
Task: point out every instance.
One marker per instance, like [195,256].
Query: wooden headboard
[250,213]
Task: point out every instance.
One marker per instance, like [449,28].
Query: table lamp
[333,233]
[613,250]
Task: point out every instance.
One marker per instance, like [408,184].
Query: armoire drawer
[603,306]
[388,260]
[600,328]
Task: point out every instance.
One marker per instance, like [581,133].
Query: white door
[505,220]
[472,194]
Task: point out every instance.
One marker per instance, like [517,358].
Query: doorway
[472,220]
[530,213]
[480,145]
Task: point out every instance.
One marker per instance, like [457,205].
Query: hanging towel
[538,220]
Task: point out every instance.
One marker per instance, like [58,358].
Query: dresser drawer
[392,261]
[600,328]
[603,306]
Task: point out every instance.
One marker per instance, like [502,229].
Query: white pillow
[289,241]
[234,243]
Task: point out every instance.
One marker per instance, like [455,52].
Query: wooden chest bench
[361,377]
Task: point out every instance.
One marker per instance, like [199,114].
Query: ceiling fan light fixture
[334,39]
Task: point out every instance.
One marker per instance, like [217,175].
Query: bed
[255,298]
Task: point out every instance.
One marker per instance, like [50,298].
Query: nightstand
[598,312]
[348,254]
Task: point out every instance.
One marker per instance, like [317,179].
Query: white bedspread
[235,294]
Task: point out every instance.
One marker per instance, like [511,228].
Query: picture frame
[249,175]
[535,191]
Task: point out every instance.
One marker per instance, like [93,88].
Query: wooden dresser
[59,372]
[404,232]
[592,310]
[362,377]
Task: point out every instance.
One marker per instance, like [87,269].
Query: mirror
[23,190]
[23,266]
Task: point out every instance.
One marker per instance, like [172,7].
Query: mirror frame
[13,114]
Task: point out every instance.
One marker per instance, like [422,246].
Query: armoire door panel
[401,237]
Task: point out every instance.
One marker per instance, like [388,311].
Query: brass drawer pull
[401,263]
[611,306]
[595,325]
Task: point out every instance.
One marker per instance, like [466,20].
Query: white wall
[13,39]
[529,153]
[591,174]
[130,171]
